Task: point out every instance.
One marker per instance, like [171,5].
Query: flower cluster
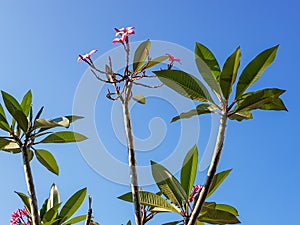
[124,33]
[172,59]
[20,216]
[196,190]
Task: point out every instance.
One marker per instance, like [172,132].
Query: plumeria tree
[22,135]
[122,84]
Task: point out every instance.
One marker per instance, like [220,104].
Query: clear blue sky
[39,45]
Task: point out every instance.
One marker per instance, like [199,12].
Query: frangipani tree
[221,83]
[24,133]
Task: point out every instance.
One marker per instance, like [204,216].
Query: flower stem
[211,171]
[30,186]
[132,163]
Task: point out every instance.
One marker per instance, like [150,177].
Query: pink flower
[196,190]
[173,59]
[86,56]
[124,33]
[20,216]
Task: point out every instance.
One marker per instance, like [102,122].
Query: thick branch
[211,171]
[30,186]
[132,163]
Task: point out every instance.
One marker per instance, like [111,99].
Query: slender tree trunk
[211,171]
[30,187]
[132,164]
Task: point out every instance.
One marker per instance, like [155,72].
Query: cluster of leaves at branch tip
[26,131]
[50,212]
[221,82]
[173,195]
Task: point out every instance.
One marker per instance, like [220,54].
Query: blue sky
[40,42]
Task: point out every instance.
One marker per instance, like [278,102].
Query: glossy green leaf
[128,223]
[208,68]
[276,104]
[3,122]
[76,219]
[47,124]
[10,146]
[241,115]
[72,205]
[254,70]
[217,181]
[140,99]
[54,198]
[155,61]
[185,84]
[189,170]
[30,154]
[227,208]
[256,100]
[168,184]
[43,209]
[153,200]
[208,57]
[3,142]
[47,160]
[215,216]
[140,55]
[51,214]
[15,110]
[25,199]
[22,120]
[229,72]
[26,103]
[200,109]
[64,137]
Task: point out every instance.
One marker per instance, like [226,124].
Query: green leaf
[229,72]
[73,118]
[168,184]
[22,120]
[185,84]
[44,209]
[241,115]
[76,219]
[54,198]
[140,99]
[47,124]
[208,57]
[25,199]
[189,169]
[155,61]
[26,103]
[129,222]
[140,55]
[47,160]
[256,100]
[227,208]
[277,104]
[10,146]
[3,122]
[51,214]
[153,200]
[208,68]
[64,137]
[3,142]
[217,181]
[254,70]
[73,203]
[214,216]
[15,110]
[200,109]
